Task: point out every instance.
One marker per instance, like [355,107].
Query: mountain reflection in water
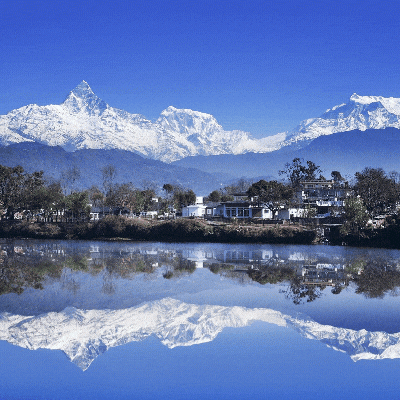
[86,297]
[85,334]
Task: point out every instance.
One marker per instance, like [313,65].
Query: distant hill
[130,167]
[347,152]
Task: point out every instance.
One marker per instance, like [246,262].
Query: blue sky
[258,66]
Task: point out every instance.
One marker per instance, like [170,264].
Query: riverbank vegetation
[180,230]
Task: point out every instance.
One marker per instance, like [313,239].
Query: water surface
[155,320]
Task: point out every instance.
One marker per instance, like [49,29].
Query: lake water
[101,320]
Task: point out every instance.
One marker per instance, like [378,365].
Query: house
[97,213]
[242,210]
[290,212]
[320,189]
[148,214]
[195,210]
[242,196]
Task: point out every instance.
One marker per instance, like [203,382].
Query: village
[334,209]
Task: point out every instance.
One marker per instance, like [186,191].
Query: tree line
[30,196]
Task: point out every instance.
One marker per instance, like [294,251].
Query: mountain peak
[83,90]
[82,98]
[365,99]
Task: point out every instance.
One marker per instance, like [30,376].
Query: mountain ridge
[348,152]
[84,121]
[85,334]
[130,167]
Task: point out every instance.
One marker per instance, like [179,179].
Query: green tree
[168,188]
[378,191]
[337,177]
[215,196]
[77,204]
[273,194]
[184,198]
[298,171]
[17,188]
[356,215]
[96,196]
[46,199]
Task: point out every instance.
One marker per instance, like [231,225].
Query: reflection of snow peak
[83,335]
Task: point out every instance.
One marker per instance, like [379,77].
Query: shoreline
[116,228]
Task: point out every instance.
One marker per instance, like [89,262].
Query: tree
[109,173]
[96,196]
[69,178]
[126,196]
[337,177]
[77,204]
[184,198]
[297,171]
[226,197]
[46,199]
[168,188]
[241,186]
[271,193]
[379,192]
[17,188]
[215,196]
[356,215]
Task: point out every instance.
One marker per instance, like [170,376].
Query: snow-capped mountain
[85,334]
[84,121]
[360,112]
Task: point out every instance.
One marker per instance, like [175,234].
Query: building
[242,210]
[195,210]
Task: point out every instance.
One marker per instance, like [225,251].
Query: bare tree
[109,174]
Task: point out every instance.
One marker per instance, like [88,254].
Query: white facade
[197,210]
[242,211]
[287,213]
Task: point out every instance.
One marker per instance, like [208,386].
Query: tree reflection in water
[376,278]
[28,265]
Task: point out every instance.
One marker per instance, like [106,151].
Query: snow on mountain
[85,334]
[83,120]
[361,112]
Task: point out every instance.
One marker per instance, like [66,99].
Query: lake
[123,320]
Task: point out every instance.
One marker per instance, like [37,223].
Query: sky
[257,66]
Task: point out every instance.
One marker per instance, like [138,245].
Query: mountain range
[85,334]
[348,137]
[84,121]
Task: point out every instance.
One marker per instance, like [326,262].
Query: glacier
[84,121]
[85,334]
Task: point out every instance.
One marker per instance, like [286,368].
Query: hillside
[130,167]
[347,152]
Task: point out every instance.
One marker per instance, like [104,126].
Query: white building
[242,210]
[292,212]
[195,210]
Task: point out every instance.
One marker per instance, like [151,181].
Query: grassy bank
[181,230]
